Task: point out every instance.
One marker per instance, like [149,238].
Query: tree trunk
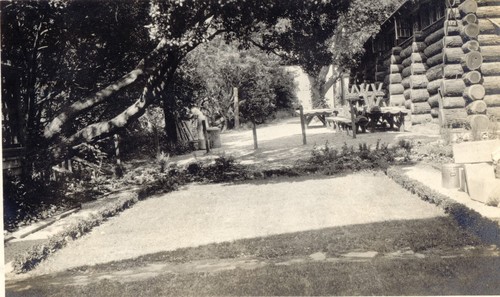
[62,148]
[254,131]
[85,104]
[170,125]
[320,85]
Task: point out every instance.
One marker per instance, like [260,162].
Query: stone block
[475,151]
[480,181]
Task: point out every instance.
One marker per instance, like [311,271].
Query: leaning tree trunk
[62,147]
[320,85]
[142,69]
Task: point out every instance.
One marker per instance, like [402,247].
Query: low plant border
[227,170]
[32,257]
[470,220]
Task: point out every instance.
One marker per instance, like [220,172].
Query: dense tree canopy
[94,66]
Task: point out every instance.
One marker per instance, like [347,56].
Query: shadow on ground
[405,257]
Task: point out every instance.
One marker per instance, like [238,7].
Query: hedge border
[224,171]
[36,254]
[470,220]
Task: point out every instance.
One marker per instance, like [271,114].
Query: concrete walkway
[431,177]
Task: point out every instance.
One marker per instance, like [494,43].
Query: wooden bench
[342,123]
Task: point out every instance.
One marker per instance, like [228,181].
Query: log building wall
[448,71]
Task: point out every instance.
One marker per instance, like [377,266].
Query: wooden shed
[440,59]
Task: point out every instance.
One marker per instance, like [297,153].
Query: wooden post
[353,119]
[303,125]
[254,130]
[236,108]
[205,134]
[117,149]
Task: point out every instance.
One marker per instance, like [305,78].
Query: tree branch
[268,49]
[85,104]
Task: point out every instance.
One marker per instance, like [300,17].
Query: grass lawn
[452,262]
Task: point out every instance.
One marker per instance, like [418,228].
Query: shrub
[332,161]
[163,160]
[27,199]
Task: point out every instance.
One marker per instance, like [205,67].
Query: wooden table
[321,114]
[392,116]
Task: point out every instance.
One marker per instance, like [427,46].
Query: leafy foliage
[253,72]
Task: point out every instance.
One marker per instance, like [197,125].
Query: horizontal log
[406,93]
[488,11]
[488,39]
[406,82]
[396,50]
[451,41]
[421,119]
[406,71]
[470,31]
[395,78]
[435,60]
[471,45]
[415,69]
[491,84]
[433,100]
[453,55]
[406,52]
[493,112]
[409,105]
[418,46]
[396,100]
[452,102]
[448,116]
[492,100]
[435,36]
[418,81]
[395,59]
[488,2]
[435,112]
[476,107]
[406,62]
[418,95]
[436,47]
[468,6]
[470,18]
[490,53]
[474,92]
[433,86]
[396,89]
[421,108]
[396,68]
[452,87]
[448,71]
[486,26]
[472,60]
[472,77]
[478,122]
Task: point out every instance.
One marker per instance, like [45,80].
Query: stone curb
[40,225]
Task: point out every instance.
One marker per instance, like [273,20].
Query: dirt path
[280,143]
[202,214]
